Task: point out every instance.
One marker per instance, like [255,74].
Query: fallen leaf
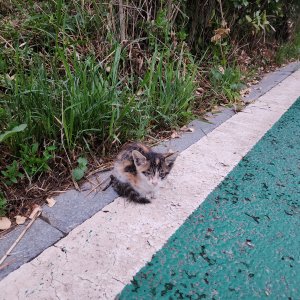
[50,201]
[10,78]
[5,223]
[139,92]
[35,210]
[20,219]
[23,44]
[216,109]
[245,91]
[199,90]
[216,37]
[187,129]
[221,70]
[175,135]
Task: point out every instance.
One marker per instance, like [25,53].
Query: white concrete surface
[100,256]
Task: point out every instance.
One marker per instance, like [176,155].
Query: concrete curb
[73,208]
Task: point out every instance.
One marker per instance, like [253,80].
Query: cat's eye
[147,173]
[162,174]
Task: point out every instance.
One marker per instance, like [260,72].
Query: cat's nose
[155,182]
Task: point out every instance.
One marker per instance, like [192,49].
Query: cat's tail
[125,190]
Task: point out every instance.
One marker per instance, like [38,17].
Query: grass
[86,103]
[290,50]
[227,82]
[64,91]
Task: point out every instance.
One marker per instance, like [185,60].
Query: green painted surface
[243,242]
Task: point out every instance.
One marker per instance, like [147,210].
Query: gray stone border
[73,208]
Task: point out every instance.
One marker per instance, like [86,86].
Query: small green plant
[78,172]
[12,173]
[32,162]
[227,81]
[9,133]
[2,205]
[259,21]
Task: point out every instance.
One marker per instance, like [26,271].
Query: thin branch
[20,236]
[122,21]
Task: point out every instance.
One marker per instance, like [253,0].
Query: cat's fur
[138,171]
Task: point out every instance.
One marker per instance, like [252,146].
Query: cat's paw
[144,201]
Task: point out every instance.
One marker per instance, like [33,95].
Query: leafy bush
[260,21]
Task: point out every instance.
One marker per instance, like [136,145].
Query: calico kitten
[138,171]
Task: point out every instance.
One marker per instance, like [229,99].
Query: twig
[101,169]
[8,43]
[111,20]
[122,21]
[99,184]
[107,57]
[20,236]
[169,10]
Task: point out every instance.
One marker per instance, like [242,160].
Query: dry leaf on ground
[175,135]
[245,92]
[50,201]
[221,69]
[216,109]
[254,81]
[199,91]
[5,223]
[187,129]
[20,219]
[35,210]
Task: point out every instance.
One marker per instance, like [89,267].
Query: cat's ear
[138,158]
[170,158]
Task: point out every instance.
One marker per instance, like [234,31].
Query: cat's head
[153,167]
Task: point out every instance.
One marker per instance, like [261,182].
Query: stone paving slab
[99,257]
[201,129]
[270,80]
[74,207]
[38,237]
